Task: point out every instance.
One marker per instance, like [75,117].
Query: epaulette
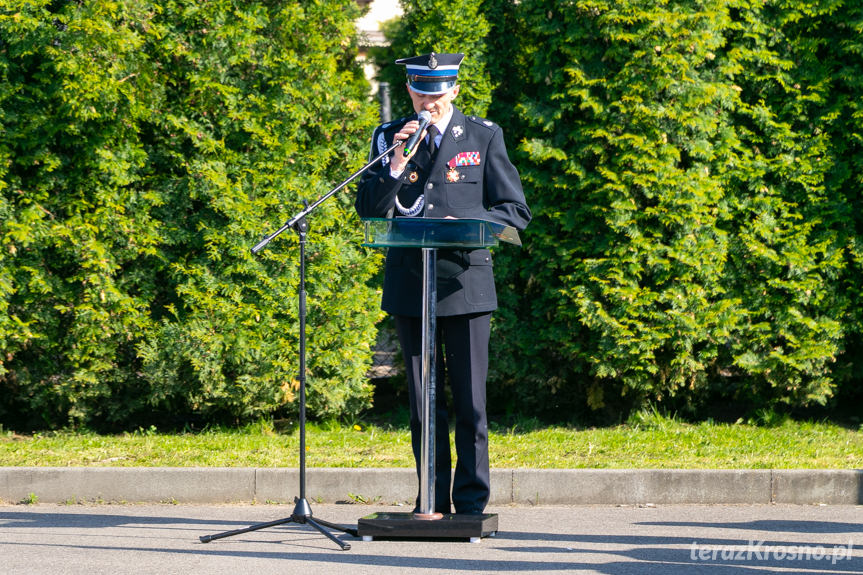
[384,134]
[483,122]
[392,123]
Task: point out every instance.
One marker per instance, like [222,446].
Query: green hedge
[694,171]
[145,146]
[693,167]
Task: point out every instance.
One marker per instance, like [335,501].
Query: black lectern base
[407,526]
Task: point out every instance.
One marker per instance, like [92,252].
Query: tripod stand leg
[333,538]
[347,530]
[208,538]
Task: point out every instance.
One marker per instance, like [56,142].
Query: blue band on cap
[432,87]
[452,71]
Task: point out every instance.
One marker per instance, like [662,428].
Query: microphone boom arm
[308,209]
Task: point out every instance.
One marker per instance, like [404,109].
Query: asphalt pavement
[717,539]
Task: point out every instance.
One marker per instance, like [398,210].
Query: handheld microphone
[424,117]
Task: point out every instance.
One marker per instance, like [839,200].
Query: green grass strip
[653,442]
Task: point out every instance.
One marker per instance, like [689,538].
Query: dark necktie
[432,133]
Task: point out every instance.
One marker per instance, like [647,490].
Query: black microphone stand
[302,510]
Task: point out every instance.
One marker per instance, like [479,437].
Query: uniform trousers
[462,362]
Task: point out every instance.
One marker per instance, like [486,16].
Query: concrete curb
[388,486]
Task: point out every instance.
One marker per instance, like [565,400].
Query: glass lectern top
[436,233]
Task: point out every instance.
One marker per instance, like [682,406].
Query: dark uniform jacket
[470,177]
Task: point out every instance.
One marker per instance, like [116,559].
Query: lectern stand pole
[429,324]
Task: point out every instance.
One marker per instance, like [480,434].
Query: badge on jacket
[465,159]
[462,159]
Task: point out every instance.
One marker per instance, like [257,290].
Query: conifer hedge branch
[145,147]
[694,172]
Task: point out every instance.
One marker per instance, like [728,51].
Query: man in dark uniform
[460,169]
